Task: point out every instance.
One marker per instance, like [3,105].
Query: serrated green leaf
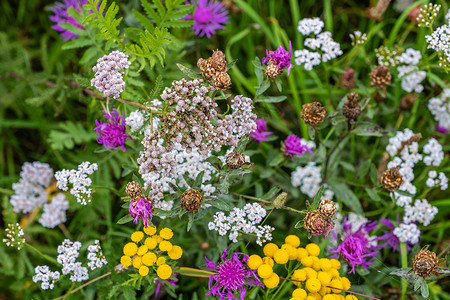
[318,196]
[271,99]
[78,43]
[369,129]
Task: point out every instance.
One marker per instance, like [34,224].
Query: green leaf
[224,184]
[343,193]
[221,204]
[78,43]
[259,70]
[188,72]
[190,222]
[125,219]
[198,180]
[424,289]
[277,160]
[69,135]
[373,194]
[271,99]
[318,196]
[369,129]
[263,87]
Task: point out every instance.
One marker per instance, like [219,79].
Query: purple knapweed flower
[391,240]
[61,16]
[260,134]
[441,129]
[112,134]
[293,146]
[232,276]
[356,248]
[280,57]
[208,16]
[141,208]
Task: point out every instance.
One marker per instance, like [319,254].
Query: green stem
[51,259]
[284,281]
[69,291]
[327,158]
[131,157]
[404,258]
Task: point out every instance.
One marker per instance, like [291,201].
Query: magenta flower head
[209,16]
[356,248]
[141,208]
[112,134]
[260,134]
[279,57]
[294,145]
[391,240]
[61,16]
[233,275]
[441,129]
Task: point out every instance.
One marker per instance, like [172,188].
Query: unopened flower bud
[279,201]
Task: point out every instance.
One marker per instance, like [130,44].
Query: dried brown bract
[313,113]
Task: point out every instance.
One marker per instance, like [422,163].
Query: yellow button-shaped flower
[292,240]
[315,296]
[290,250]
[268,260]
[149,258]
[269,249]
[301,293]
[329,297]
[281,256]
[307,261]
[164,271]
[299,275]
[296,298]
[130,249]
[313,249]
[165,246]
[334,273]
[336,283]
[301,252]
[310,273]
[166,233]
[142,250]
[316,264]
[157,238]
[346,283]
[254,261]
[151,243]
[324,290]
[313,285]
[272,281]
[310,298]
[150,230]
[125,261]
[335,263]
[137,262]
[324,277]
[350,297]
[137,236]
[325,264]
[265,271]
[161,261]
[175,253]
[143,271]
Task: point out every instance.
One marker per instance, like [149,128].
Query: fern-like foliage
[68,135]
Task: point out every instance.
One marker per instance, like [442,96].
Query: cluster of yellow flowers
[313,280]
[155,251]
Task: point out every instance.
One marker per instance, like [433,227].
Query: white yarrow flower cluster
[43,273]
[246,219]
[14,236]
[322,41]
[309,180]
[78,180]
[68,254]
[439,41]
[30,190]
[358,38]
[421,212]
[95,256]
[409,72]
[407,233]
[440,108]
[138,118]
[55,212]
[434,180]
[108,76]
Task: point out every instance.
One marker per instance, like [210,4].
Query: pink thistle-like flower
[260,134]
[441,129]
[356,248]
[61,16]
[112,134]
[141,208]
[280,57]
[391,240]
[232,276]
[209,16]
[293,146]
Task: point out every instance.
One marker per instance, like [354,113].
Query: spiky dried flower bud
[214,70]
[407,102]
[221,81]
[206,68]
[380,77]
[317,223]
[347,79]
[235,160]
[351,109]
[279,201]
[218,61]
[313,113]
[133,189]
[191,200]
[327,208]
[425,263]
[392,179]
[272,71]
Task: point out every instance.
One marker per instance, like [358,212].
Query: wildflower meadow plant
[224,149]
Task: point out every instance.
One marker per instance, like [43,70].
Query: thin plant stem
[327,158]
[83,285]
[404,259]
[71,288]
[50,259]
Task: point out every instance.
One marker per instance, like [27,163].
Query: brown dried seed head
[313,113]
[272,71]
[221,81]
[191,200]
[425,263]
[327,208]
[392,179]
[235,160]
[351,108]
[133,189]
[218,61]
[206,68]
[380,77]
[317,223]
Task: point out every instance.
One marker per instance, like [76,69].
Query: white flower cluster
[108,78]
[421,212]
[55,212]
[409,73]
[68,254]
[439,41]
[322,41]
[14,236]
[246,219]
[44,274]
[407,233]
[432,181]
[440,108]
[138,118]
[358,38]
[79,181]
[30,190]
[95,256]
[309,180]
[427,14]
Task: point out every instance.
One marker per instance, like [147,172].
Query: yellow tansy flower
[325,264]
[336,283]
[165,246]
[350,297]
[164,271]
[161,260]
[268,260]
[142,250]
[265,271]
[301,252]
[292,240]
[313,249]
[307,261]
[346,283]
[254,261]
[324,277]
[150,230]
[175,253]
[130,249]
[299,275]
[272,281]
[166,233]
[301,293]
[281,256]
[137,262]
[151,243]
[149,258]
[315,296]
[335,263]
[125,261]
[143,271]
[137,236]
[310,273]
[269,249]
[313,285]
[329,297]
